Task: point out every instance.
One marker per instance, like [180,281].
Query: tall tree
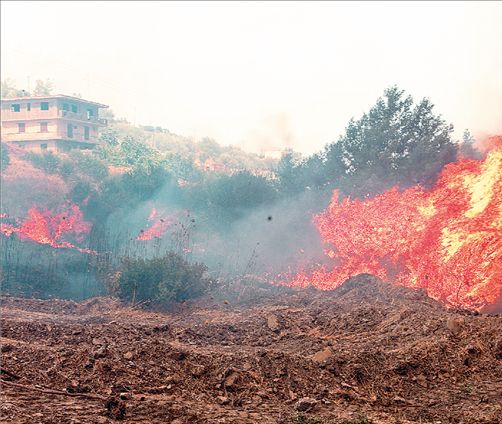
[467,148]
[43,88]
[9,90]
[397,142]
[289,171]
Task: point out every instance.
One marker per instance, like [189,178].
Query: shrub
[167,278]
[47,162]
[4,157]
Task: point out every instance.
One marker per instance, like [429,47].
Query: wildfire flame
[159,226]
[447,240]
[46,227]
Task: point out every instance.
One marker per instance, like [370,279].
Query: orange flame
[45,227]
[447,241]
[158,228]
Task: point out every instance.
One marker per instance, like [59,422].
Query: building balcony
[82,117]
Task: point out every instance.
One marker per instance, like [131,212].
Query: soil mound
[366,351]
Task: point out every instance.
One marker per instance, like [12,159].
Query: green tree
[467,148]
[396,143]
[43,88]
[289,172]
[109,136]
[9,90]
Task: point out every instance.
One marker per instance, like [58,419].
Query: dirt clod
[305,404]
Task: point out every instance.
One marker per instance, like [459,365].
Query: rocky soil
[367,352]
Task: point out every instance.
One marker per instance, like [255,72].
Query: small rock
[422,380]
[6,348]
[305,404]
[455,325]
[100,353]
[231,380]
[472,350]
[125,395]
[223,400]
[322,355]
[198,371]
[116,408]
[177,355]
[101,420]
[161,328]
[98,342]
[498,349]
[273,323]
[128,355]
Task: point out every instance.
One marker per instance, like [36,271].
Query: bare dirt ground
[367,352]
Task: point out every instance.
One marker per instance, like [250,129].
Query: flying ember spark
[447,240]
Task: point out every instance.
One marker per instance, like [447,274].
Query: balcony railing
[82,117]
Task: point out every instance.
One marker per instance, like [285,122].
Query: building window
[43,146]
[66,107]
[28,106]
[70,130]
[86,133]
[74,108]
[90,114]
[44,106]
[43,127]
[15,108]
[21,126]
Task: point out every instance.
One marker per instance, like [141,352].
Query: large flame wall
[447,240]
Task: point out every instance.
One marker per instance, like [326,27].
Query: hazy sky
[261,75]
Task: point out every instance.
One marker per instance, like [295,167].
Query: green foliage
[467,148]
[145,181]
[89,165]
[168,278]
[109,136]
[131,153]
[72,166]
[43,88]
[289,171]
[395,143]
[80,191]
[181,167]
[225,198]
[48,161]
[4,157]
[9,90]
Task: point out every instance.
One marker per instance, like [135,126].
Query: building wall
[57,119]
[52,145]
[10,130]
[78,130]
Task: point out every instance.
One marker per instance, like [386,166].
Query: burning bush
[167,278]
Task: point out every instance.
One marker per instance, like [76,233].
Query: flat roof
[54,96]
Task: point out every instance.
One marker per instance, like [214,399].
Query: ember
[447,241]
